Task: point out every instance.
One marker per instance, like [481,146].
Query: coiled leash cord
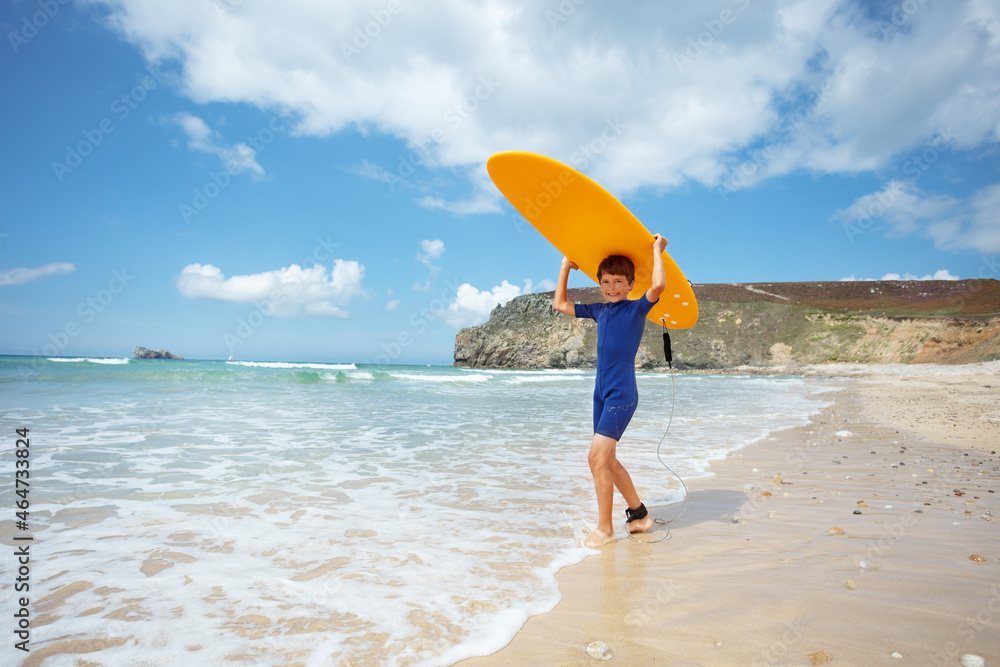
[639,513]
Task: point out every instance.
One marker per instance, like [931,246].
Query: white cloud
[900,203]
[377,173]
[472,307]
[950,223]
[546,285]
[940,274]
[392,305]
[236,159]
[431,250]
[983,230]
[22,275]
[287,292]
[652,94]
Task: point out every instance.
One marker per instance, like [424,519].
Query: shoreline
[904,463]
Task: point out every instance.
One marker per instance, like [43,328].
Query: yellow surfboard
[586,224]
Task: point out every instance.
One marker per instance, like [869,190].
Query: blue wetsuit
[619,332]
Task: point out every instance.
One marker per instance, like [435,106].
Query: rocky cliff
[142,353]
[765,325]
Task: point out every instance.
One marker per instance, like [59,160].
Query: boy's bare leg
[623,481]
[602,460]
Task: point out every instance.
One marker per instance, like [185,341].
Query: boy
[619,330]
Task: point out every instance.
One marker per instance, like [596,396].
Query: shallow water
[254,512]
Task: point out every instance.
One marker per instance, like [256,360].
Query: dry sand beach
[867,537]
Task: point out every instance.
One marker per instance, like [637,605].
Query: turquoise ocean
[258,513]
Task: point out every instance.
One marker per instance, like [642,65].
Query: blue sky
[306,182]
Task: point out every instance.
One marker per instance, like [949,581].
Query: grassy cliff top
[979,299]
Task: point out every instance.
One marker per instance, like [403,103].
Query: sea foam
[419,518]
[92,360]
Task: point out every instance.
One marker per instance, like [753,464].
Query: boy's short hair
[618,265]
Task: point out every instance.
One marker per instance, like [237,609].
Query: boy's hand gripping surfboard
[586,224]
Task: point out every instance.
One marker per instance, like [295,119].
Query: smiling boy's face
[615,287]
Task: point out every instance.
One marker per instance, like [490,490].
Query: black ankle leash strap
[636,514]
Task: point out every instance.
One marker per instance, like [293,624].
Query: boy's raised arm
[659,277]
[559,301]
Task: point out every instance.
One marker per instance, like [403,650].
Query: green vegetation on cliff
[763,325]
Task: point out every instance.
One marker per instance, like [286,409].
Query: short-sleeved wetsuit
[619,332]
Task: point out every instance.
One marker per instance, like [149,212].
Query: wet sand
[905,465]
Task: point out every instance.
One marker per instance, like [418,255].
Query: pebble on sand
[977,558]
[766,493]
[772,514]
[836,530]
[819,657]
[599,650]
[897,654]
[972,660]
[850,585]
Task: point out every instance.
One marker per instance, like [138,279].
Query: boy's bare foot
[639,525]
[598,539]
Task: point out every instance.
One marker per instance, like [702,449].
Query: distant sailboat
[230,357]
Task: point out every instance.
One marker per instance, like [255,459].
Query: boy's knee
[600,459]
[602,452]
[596,460]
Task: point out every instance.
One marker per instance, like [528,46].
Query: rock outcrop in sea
[769,326]
[142,353]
